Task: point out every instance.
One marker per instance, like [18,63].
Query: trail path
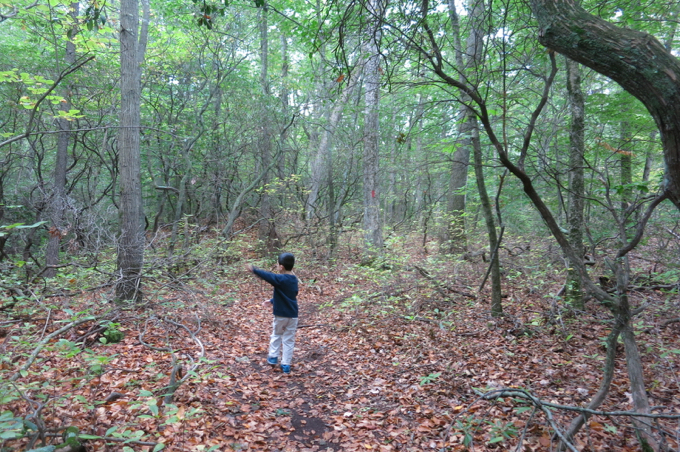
[369,373]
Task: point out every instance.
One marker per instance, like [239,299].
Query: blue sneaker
[285,368]
[272,361]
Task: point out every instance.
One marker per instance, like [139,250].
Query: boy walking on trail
[285,309]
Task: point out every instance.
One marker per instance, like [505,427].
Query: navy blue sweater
[285,292]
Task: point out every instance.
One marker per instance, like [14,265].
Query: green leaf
[88,436]
[34,225]
[159,446]
[30,425]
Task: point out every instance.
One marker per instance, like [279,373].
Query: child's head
[287,260]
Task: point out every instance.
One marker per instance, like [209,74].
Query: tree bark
[58,201]
[372,225]
[267,229]
[461,157]
[574,285]
[322,163]
[496,305]
[131,241]
[635,60]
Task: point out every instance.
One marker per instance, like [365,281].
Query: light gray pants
[283,332]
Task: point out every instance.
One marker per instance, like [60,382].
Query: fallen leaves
[368,379]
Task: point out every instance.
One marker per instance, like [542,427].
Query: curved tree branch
[637,61]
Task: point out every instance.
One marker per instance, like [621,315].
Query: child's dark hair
[287,260]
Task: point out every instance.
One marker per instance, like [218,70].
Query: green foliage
[467,426]
[427,379]
[12,427]
[502,431]
[5,230]
[95,17]
[112,334]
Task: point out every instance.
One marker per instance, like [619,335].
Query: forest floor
[392,359]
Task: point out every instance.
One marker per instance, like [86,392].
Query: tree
[635,60]
[372,223]
[461,156]
[131,241]
[573,287]
[58,199]
[267,229]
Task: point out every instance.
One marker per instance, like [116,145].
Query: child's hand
[249,267]
[266,303]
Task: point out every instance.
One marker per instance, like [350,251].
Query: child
[285,308]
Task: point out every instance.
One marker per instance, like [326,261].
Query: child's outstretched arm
[266,303]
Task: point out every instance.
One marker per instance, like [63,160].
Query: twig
[176,369]
[36,416]
[669,321]
[427,276]
[47,322]
[115,439]
[42,343]
[493,255]
[141,340]
[538,404]
[507,392]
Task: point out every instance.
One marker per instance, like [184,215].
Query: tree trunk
[626,161]
[267,229]
[574,285]
[372,226]
[181,197]
[322,163]
[496,306]
[131,241]
[635,60]
[461,157]
[647,70]
[58,201]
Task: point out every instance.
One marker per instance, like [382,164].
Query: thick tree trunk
[461,157]
[574,286]
[372,226]
[267,229]
[131,241]
[635,60]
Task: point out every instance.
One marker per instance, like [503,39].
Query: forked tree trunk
[322,161]
[496,305]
